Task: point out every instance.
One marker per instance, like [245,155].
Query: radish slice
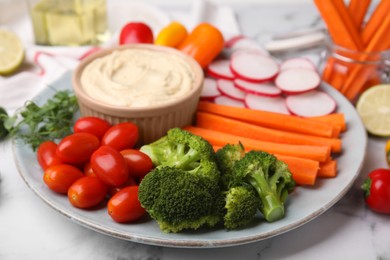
[253,67]
[227,88]
[295,63]
[262,89]
[210,89]
[275,104]
[248,44]
[220,69]
[295,81]
[229,43]
[313,103]
[227,101]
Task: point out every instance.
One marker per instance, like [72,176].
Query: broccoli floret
[270,178]
[179,200]
[241,206]
[183,150]
[226,157]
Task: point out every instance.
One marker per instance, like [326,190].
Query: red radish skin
[297,81]
[309,104]
[227,88]
[226,101]
[271,104]
[220,69]
[210,89]
[295,63]
[253,67]
[262,89]
[248,44]
[229,43]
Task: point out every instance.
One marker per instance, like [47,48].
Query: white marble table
[30,229]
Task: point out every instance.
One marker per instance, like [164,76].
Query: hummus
[137,78]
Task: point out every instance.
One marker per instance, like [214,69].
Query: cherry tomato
[77,148]
[138,163]
[92,125]
[377,190]
[46,154]
[109,166]
[61,176]
[121,136]
[87,192]
[124,206]
[88,170]
[113,190]
[136,32]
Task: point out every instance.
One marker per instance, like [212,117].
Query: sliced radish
[274,104]
[313,103]
[295,63]
[210,89]
[295,81]
[262,89]
[227,101]
[248,44]
[253,67]
[220,69]
[229,43]
[227,88]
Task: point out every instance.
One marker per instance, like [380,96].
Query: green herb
[35,124]
[3,130]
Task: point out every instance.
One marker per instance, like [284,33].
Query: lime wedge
[373,106]
[11,52]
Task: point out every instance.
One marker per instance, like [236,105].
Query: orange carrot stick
[328,169]
[334,118]
[239,128]
[317,153]
[270,119]
[304,171]
[358,10]
[381,11]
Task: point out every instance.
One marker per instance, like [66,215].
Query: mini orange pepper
[204,43]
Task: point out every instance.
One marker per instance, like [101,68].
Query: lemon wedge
[373,106]
[11,52]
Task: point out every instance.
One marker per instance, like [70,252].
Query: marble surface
[30,229]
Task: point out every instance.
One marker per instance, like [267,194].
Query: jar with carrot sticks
[351,72]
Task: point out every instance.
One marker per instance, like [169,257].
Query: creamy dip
[137,78]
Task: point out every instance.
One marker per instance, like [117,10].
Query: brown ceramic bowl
[154,120]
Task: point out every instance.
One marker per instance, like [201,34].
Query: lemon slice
[373,107]
[11,52]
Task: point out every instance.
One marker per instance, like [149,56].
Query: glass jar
[69,22]
[351,72]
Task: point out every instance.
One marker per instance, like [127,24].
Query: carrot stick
[328,169]
[304,171]
[358,10]
[334,118]
[235,127]
[381,11]
[333,15]
[270,119]
[317,153]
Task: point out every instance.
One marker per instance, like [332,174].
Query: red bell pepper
[377,190]
[136,32]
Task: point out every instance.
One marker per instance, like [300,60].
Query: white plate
[304,204]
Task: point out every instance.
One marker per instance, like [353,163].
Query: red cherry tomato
[92,125]
[88,170]
[377,190]
[77,148]
[87,192]
[138,163]
[124,206]
[113,190]
[60,177]
[109,166]
[136,32]
[46,154]
[121,136]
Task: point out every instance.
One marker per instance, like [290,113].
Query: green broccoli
[183,150]
[271,179]
[226,157]
[179,200]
